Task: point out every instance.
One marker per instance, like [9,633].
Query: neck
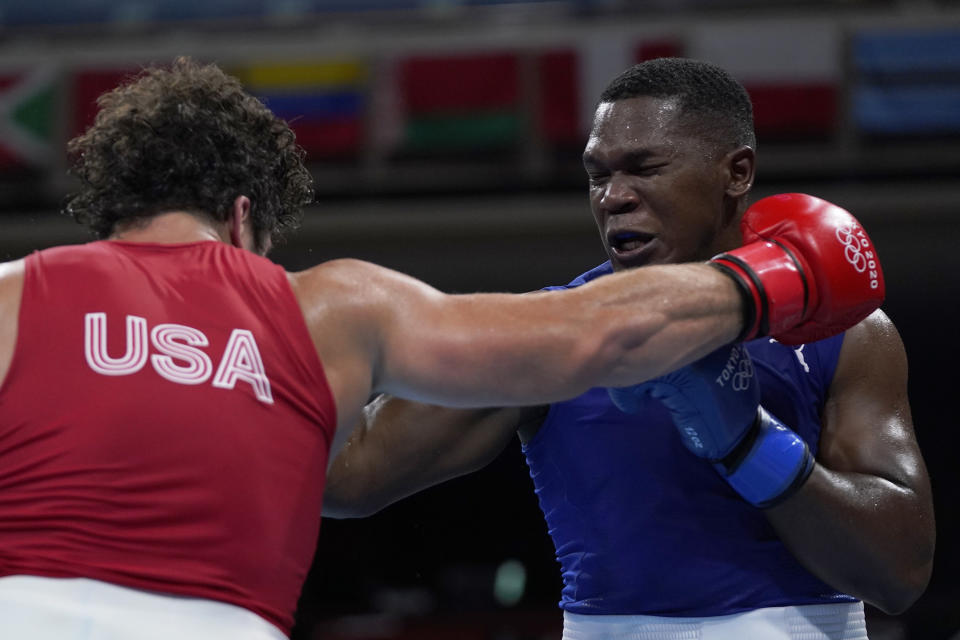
[174,227]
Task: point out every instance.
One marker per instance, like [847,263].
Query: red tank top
[165,425]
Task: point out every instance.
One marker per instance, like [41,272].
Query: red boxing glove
[807,269]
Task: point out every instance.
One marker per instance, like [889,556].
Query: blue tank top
[642,526]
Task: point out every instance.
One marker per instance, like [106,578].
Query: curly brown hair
[187,138]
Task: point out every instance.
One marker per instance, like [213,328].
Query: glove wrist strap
[769,465]
[752,302]
[775,282]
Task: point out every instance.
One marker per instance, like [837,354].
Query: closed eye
[597,178]
[648,170]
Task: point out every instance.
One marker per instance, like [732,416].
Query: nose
[618,196]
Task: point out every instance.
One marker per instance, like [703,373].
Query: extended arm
[379,331]
[499,350]
[863,522]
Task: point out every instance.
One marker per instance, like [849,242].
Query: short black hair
[189,138]
[703,90]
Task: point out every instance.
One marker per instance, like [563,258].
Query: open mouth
[628,241]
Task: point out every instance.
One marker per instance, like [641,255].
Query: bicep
[867,425]
[380,331]
[477,350]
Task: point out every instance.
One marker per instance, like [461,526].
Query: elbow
[338,511]
[900,593]
[895,601]
[910,561]
[341,505]
[344,510]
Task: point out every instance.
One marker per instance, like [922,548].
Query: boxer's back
[166,424]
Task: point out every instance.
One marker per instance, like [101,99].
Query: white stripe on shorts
[37,608]
[838,621]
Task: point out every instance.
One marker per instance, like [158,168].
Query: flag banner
[87,86]
[460,102]
[791,69]
[908,82]
[28,118]
[651,49]
[325,102]
[600,60]
[559,99]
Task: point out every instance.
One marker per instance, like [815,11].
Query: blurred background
[445,139]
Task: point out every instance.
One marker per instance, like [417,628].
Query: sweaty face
[656,189]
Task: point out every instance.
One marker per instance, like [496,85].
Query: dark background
[515,218]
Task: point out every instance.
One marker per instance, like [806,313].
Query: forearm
[403,447]
[862,534]
[661,322]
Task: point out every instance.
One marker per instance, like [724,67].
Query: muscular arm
[379,331]
[864,522]
[401,447]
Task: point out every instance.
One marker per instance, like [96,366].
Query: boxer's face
[656,189]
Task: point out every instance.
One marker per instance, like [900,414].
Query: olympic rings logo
[856,251]
[738,370]
[852,247]
[743,376]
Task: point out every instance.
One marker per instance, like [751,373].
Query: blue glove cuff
[769,465]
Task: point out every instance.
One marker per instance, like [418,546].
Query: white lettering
[693,437]
[180,358]
[728,368]
[241,361]
[95,345]
[165,338]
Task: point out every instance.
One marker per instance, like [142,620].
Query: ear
[741,166]
[239,222]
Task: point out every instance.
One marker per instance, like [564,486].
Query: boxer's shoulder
[872,349]
[11,272]
[11,291]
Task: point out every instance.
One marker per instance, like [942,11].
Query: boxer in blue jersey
[655,538]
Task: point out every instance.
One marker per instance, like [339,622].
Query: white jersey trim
[39,608]
[839,621]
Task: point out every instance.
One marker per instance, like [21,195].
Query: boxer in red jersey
[169,398]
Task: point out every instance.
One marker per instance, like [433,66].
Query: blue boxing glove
[715,405]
